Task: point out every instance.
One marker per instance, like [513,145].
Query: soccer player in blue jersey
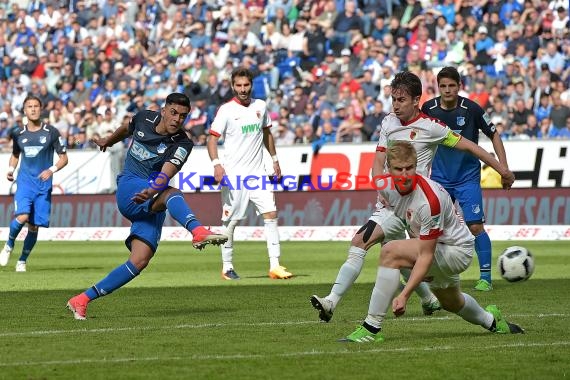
[34,144]
[459,172]
[158,150]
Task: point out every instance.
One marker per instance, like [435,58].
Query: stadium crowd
[324,66]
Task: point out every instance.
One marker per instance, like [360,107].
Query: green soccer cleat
[483,286]
[431,306]
[361,335]
[501,324]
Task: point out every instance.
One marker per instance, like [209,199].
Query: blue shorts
[470,199]
[37,205]
[146,225]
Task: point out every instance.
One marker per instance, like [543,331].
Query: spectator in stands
[558,115]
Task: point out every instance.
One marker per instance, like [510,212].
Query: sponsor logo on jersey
[250,128]
[175,161]
[161,148]
[61,141]
[258,114]
[460,121]
[487,118]
[140,152]
[181,153]
[32,151]
[43,139]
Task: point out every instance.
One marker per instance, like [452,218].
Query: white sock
[422,290]
[273,245]
[473,313]
[347,274]
[387,282]
[228,246]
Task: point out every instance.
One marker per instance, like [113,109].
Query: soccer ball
[516,264]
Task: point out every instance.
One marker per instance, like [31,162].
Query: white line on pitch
[256,324]
[281,355]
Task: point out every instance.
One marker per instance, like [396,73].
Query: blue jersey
[36,150]
[150,150]
[451,166]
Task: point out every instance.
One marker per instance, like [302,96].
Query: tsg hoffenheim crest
[460,121]
[476,209]
[43,139]
[161,148]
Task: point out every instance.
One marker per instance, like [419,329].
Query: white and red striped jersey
[427,211]
[242,131]
[423,132]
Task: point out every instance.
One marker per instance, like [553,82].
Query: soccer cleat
[77,307]
[203,236]
[20,266]
[361,335]
[483,286]
[324,306]
[501,324]
[230,274]
[279,273]
[5,255]
[431,306]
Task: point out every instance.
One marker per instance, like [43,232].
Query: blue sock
[15,228]
[29,243]
[114,280]
[180,211]
[484,253]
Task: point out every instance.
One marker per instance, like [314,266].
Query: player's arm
[212,145]
[120,134]
[456,141]
[499,149]
[426,252]
[12,165]
[269,143]
[379,163]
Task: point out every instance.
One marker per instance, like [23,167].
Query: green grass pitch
[180,320]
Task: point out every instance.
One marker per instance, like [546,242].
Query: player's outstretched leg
[181,212]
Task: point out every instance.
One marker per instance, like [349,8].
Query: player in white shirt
[440,248]
[406,123]
[244,124]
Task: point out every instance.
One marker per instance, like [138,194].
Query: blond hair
[402,151]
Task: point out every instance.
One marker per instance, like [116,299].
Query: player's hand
[399,305]
[45,175]
[144,195]
[219,173]
[508,180]
[101,142]
[276,171]
[10,176]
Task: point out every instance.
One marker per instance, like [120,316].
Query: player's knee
[366,236]
[476,229]
[388,256]
[32,228]
[270,215]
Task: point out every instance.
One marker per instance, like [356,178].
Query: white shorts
[235,202]
[449,262]
[393,227]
